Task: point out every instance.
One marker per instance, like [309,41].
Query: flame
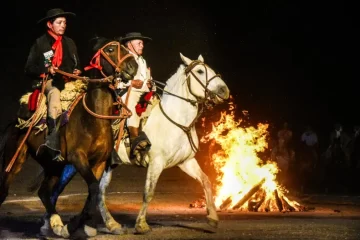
[240,172]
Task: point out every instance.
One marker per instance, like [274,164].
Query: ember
[244,181]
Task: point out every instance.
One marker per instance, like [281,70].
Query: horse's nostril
[224,92]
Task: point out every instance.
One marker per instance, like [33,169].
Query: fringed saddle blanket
[67,96]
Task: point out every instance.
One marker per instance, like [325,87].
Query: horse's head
[203,82]
[110,58]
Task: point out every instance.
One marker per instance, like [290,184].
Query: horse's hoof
[65,232]
[58,231]
[46,231]
[142,228]
[115,228]
[213,223]
[56,224]
[119,231]
[90,231]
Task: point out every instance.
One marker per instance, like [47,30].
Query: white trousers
[134,97]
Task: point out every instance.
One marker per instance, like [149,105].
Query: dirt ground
[170,215]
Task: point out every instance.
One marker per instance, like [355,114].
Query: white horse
[174,141]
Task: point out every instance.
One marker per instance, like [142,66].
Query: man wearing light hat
[53,51]
[135,41]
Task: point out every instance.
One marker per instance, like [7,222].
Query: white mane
[174,80]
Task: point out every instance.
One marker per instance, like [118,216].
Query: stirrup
[140,143]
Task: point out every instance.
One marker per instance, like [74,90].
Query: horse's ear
[200,58]
[186,60]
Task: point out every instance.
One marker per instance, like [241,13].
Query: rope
[35,118]
[12,161]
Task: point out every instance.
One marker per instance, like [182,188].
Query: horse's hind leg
[192,168]
[7,177]
[113,226]
[153,173]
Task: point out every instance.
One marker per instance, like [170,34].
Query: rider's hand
[137,83]
[76,72]
[52,70]
[149,84]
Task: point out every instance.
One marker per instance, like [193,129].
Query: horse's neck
[99,98]
[175,107]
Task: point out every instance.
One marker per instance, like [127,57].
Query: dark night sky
[283,60]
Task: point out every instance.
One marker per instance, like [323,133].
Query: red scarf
[58,50]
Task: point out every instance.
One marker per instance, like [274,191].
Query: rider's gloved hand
[77,72]
[137,83]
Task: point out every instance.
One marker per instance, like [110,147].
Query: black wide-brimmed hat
[132,36]
[54,13]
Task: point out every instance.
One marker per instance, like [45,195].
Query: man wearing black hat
[135,41]
[53,51]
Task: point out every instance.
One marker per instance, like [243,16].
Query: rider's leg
[52,141]
[138,139]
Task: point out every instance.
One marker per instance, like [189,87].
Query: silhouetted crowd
[308,168]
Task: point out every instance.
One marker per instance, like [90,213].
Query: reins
[200,102]
[125,113]
[95,63]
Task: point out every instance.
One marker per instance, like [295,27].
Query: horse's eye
[110,50]
[200,71]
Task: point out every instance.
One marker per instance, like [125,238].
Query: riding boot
[115,159]
[138,141]
[52,141]
[134,133]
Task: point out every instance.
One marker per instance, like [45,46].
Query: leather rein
[198,102]
[107,79]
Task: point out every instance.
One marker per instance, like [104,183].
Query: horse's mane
[172,82]
[96,43]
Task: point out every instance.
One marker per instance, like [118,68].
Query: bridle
[200,101]
[96,63]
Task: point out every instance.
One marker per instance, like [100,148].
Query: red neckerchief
[58,50]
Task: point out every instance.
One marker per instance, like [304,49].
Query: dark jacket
[37,63]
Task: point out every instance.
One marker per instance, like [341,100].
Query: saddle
[30,102]
[70,97]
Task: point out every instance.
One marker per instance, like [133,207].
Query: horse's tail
[5,137]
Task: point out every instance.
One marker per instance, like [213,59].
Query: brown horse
[86,140]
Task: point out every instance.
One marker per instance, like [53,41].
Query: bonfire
[244,181]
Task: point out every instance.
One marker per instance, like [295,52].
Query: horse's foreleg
[153,173]
[113,226]
[192,168]
[67,174]
[88,214]
[52,221]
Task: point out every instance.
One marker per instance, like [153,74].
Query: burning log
[248,195]
[198,203]
[278,200]
[267,205]
[287,205]
[226,203]
[254,206]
